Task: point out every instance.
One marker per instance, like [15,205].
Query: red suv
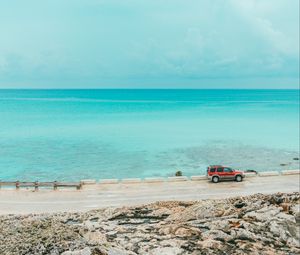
[218,173]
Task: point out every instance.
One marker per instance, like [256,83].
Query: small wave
[151,101]
[88,100]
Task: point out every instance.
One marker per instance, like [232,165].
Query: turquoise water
[76,134]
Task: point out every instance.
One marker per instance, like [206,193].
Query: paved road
[105,195]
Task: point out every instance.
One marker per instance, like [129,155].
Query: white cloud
[267,18]
[103,39]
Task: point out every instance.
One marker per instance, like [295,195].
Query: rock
[295,209]
[217,235]
[286,231]
[217,225]
[95,238]
[242,234]
[256,224]
[264,214]
[277,199]
[85,251]
[91,226]
[240,204]
[251,171]
[203,210]
[275,228]
[165,251]
[187,232]
[116,251]
[210,244]
[178,173]
[286,217]
[169,243]
[285,207]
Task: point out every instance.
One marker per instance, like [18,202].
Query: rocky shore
[257,224]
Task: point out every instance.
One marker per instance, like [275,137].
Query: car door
[220,172]
[228,173]
[211,171]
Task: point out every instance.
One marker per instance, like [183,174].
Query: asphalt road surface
[117,195]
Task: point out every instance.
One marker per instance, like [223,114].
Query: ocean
[123,133]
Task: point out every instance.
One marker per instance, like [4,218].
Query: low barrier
[131,180]
[198,177]
[269,173]
[178,178]
[78,185]
[191,178]
[36,185]
[154,179]
[109,181]
[251,174]
[290,172]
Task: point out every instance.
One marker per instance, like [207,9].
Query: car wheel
[215,179]
[238,178]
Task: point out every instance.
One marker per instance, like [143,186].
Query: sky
[149,44]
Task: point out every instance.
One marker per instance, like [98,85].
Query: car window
[227,170]
[220,170]
[212,170]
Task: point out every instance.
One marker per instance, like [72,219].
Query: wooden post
[79,186]
[36,185]
[55,185]
[17,185]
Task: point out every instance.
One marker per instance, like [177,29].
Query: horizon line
[120,88]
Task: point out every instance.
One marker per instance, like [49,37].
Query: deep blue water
[76,134]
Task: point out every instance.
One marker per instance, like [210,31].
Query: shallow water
[76,134]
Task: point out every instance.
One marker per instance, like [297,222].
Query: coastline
[126,194]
